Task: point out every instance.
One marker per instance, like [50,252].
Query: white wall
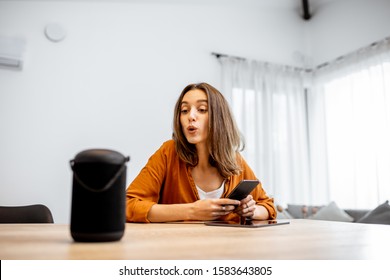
[339,27]
[113,81]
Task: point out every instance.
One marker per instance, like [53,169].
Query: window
[317,136]
[357,117]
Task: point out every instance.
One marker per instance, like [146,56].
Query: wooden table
[300,240]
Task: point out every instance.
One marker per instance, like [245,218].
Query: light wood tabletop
[300,240]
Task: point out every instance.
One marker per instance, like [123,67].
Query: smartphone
[243,189]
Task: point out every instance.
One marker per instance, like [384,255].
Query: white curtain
[269,104]
[318,136]
[350,126]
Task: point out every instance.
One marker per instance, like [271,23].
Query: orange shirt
[166,179]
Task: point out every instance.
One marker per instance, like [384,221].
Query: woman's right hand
[211,209]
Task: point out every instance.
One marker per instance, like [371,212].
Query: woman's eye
[202,110]
[184,111]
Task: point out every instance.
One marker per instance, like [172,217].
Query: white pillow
[284,215]
[332,212]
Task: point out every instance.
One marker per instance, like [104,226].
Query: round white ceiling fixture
[55,32]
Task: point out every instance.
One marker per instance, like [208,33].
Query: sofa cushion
[284,215]
[332,212]
[356,214]
[301,211]
[380,215]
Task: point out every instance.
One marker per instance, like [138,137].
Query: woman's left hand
[247,207]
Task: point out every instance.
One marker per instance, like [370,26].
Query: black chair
[36,213]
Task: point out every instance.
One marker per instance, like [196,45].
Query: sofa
[332,212]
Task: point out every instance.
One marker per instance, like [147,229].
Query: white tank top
[213,194]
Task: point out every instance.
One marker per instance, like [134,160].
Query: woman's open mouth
[192,129]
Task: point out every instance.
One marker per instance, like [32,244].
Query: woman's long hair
[224,140]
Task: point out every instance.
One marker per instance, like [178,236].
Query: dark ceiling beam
[306,10]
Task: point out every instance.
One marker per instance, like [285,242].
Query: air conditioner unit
[11,53]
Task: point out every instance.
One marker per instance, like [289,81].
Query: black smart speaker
[98,196]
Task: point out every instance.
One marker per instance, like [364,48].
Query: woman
[189,177]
